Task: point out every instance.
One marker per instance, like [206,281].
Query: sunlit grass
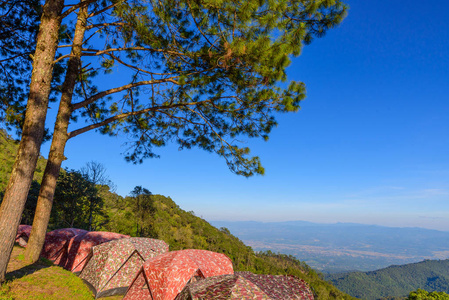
[41,281]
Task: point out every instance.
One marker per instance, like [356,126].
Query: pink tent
[23,233]
[74,254]
[163,277]
[55,241]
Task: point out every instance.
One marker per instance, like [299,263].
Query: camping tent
[223,287]
[22,235]
[163,277]
[248,286]
[55,241]
[112,266]
[73,255]
[280,286]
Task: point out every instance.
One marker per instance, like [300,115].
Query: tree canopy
[201,73]
[421,294]
[19,21]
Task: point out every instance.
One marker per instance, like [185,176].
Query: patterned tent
[112,266]
[75,252]
[163,277]
[55,241]
[23,233]
[247,286]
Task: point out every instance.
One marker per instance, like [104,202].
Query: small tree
[142,206]
[77,200]
[95,172]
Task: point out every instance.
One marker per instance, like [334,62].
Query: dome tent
[74,254]
[247,286]
[56,240]
[111,266]
[163,277]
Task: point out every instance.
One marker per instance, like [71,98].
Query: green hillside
[180,229]
[395,281]
[8,150]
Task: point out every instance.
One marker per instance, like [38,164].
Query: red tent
[163,277]
[112,266]
[55,241]
[74,254]
[23,233]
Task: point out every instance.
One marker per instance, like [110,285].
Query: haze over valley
[342,246]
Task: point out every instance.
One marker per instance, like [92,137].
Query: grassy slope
[430,275]
[40,280]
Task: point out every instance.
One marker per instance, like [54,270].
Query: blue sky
[370,144]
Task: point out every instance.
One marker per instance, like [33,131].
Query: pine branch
[120,89]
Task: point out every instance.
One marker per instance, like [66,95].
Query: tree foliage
[76,199]
[201,73]
[395,281]
[19,22]
[421,294]
[142,206]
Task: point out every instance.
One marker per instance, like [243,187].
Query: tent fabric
[163,277]
[280,286]
[223,287]
[22,235]
[112,266]
[76,250]
[55,241]
[246,285]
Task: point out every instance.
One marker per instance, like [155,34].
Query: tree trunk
[33,130]
[90,215]
[60,137]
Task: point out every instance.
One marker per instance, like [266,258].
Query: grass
[41,281]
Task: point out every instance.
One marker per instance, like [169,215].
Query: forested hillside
[8,150]
[395,281]
[180,229]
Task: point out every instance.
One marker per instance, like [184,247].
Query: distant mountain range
[395,281]
[342,247]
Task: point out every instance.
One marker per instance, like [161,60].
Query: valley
[333,248]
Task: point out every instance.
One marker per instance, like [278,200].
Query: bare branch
[19,55]
[103,10]
[61,58]
[128,114]
[135,67]
[75,7]
[100,52]
[105,25]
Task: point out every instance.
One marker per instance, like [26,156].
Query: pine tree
[32,132]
